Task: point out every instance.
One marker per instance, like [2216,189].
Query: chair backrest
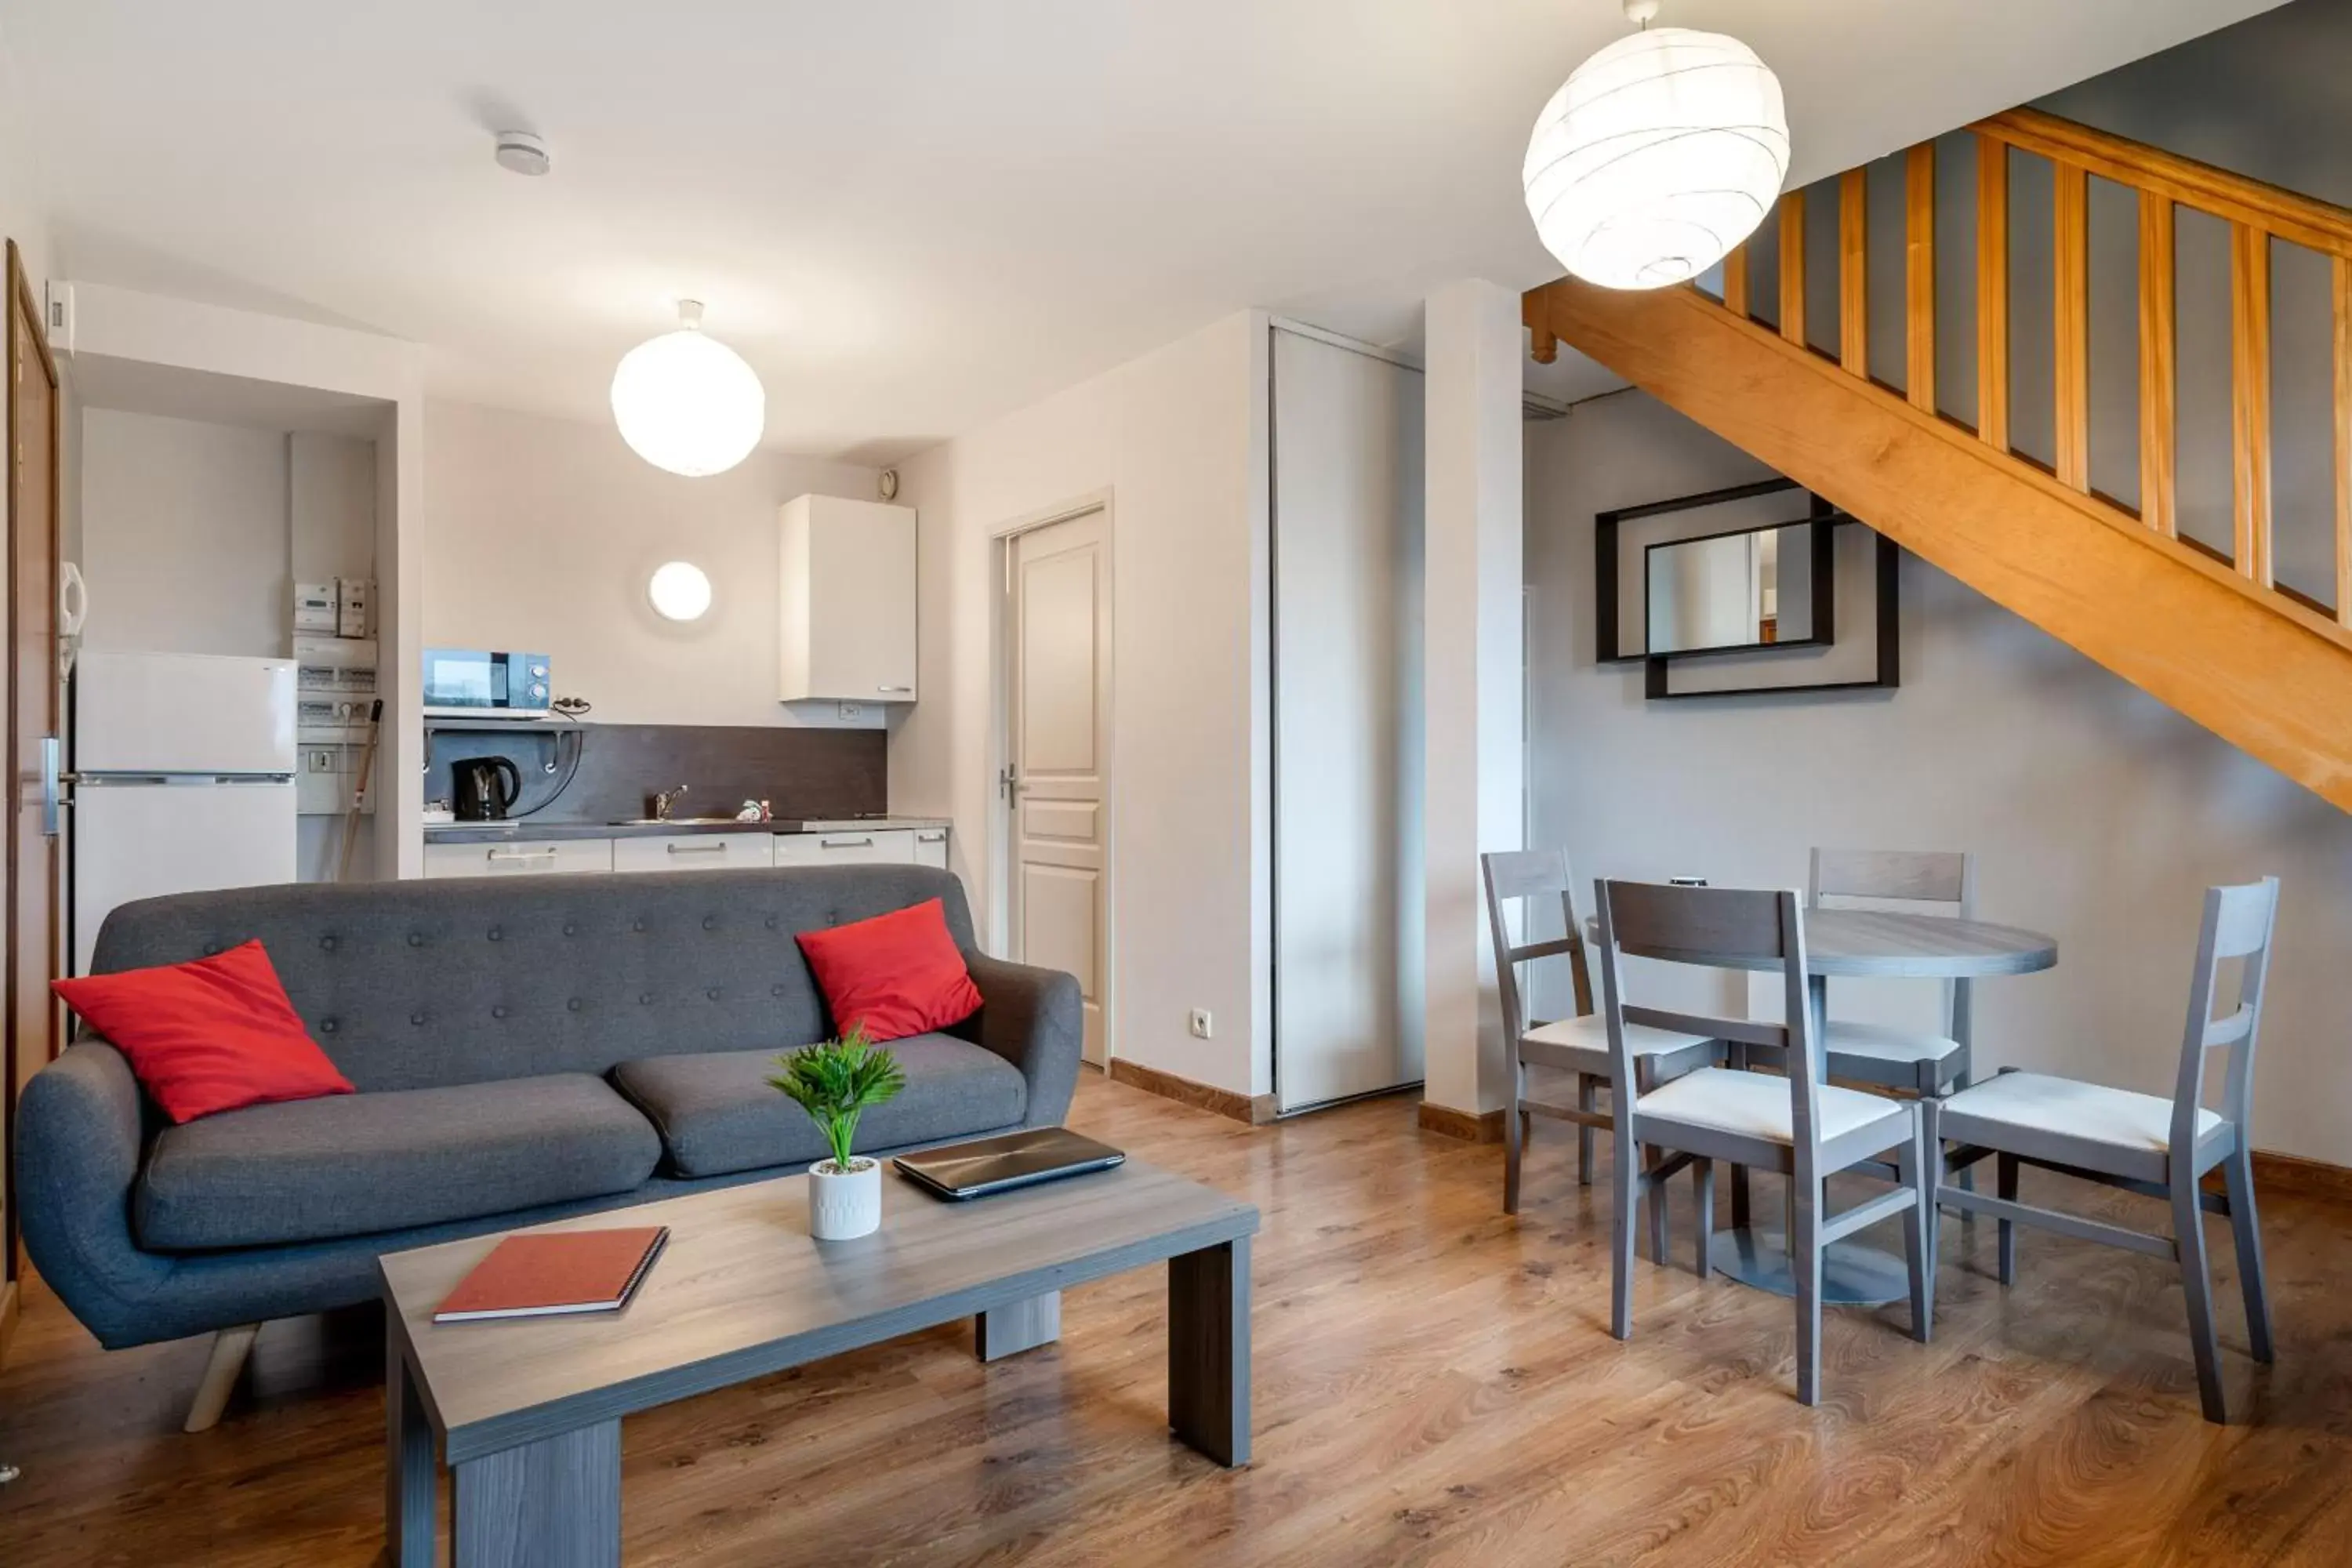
[2238,925]
[1531,874]
[1907,875]
[1720,928]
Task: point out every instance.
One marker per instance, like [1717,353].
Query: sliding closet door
[1346,610]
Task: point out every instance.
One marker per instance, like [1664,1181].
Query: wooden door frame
[24,306]
[998,840]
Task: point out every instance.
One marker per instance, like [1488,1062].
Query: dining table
[1854,943]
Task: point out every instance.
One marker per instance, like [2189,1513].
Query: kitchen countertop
[528,829]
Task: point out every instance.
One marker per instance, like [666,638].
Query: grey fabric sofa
[524,1049]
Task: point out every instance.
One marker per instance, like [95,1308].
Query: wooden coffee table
[527,1412]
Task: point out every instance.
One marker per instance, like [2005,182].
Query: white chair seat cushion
[2119,1117]
[1879,1042]
[1590,1033]
[1755,1105]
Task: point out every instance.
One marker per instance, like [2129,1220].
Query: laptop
[1010,1160]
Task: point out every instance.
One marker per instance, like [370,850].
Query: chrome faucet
[664,800]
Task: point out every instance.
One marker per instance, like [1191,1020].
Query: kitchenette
[520,781]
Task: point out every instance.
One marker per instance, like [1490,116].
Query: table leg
[1209,1350]
[412,1481]
[1018,1326]
[555,1503]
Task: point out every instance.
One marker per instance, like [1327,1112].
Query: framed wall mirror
[1743,589]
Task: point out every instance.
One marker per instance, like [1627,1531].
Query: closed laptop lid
[1008,1157]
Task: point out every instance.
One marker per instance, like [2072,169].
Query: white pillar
[1472,706]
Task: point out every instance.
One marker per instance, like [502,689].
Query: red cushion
[894,975]
[208,1036]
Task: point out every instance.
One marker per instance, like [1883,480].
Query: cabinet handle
[894,688]
[930,837]
[718,848]
[548,854]
[844,843]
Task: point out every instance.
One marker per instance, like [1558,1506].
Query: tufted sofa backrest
[412,985]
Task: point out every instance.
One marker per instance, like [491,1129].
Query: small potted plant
[836,1081]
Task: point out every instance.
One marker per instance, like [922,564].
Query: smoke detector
[523,152]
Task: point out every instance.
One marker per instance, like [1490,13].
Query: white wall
[539,533]
[2097,814]
[1177,440]
[184,529]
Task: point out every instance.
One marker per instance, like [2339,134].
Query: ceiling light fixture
[681,591]
[1656,156]
[686,402]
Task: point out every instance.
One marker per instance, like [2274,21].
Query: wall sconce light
[679,591]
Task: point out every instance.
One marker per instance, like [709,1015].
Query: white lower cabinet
[555,855]
[692,852]
[852,848]
[931,846]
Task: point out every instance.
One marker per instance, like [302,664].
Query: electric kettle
[486,788]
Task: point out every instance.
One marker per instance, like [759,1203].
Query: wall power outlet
[1199,1023]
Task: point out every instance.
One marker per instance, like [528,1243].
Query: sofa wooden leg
[230,1347]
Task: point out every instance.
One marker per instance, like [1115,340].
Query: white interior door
[1347,774]
[1057,739]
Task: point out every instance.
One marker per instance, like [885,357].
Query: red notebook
[544,1275]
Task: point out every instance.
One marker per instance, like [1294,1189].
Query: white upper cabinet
[847,601]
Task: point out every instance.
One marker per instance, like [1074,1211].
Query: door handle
[51,800]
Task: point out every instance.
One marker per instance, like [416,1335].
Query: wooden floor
[1434,1384]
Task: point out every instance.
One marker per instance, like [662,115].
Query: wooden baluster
[1919,274]
[1992,293]
[2342,294]
[1792,267]
[1853,272]
[2160,421]
[2071,318]
[2250,399]
[1735,281]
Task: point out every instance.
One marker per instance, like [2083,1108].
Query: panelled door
[1058,739]
[32,861]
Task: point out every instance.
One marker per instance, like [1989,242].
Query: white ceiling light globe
[679,590]
[687,403]
[1656,156]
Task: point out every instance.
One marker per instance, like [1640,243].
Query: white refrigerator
[183,779]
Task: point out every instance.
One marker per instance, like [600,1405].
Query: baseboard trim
[1471,1127]
[2302,1178]
[1255,1110]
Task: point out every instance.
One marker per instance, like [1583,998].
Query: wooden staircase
[2210,632]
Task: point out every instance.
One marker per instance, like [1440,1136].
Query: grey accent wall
[2098,814]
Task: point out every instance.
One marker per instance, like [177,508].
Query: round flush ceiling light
[686,402]
[1656,156]
[681,591]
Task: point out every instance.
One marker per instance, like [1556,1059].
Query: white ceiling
[908,215]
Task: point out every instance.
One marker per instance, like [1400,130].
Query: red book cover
[542,1275]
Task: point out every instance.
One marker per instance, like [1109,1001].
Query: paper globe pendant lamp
[686,402]
[1656,156]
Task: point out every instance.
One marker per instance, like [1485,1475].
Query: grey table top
[741,1290]
[1868,941]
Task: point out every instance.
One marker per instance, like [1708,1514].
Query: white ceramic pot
[845,1203]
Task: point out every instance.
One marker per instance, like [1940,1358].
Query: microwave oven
[471,683]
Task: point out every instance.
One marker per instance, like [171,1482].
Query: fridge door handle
[52,798]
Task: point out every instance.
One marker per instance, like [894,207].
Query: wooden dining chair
[1923,1060]
[1798,1124]
[2121,1138]
[1577,1045]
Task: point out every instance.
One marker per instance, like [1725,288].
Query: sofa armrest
[1031,1017]
[80,1132]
